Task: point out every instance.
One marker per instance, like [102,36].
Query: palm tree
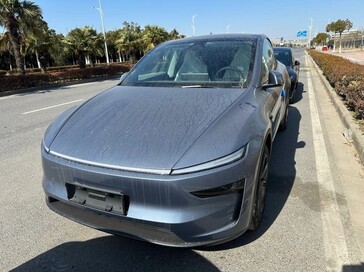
[130,40]
[84,43]
[174,34]
[5,46]
[154,35]
[16,17]
[111,37]
[55,49]
[36,42]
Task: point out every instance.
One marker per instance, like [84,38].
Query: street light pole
[227,29]
[193,24]
[103,30]
[310,33]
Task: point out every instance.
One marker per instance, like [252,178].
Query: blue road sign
[302,33]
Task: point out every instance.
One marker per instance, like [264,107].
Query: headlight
[46,149]
[213,164]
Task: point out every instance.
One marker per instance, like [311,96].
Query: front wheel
[260,190]
[283,124]
[294,91]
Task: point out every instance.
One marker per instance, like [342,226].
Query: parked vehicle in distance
[284,55]
[177,153]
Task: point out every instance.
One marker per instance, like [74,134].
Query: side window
[268,60]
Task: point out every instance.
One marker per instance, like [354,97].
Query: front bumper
[161,208]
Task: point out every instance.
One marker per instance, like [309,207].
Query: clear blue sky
[279,18]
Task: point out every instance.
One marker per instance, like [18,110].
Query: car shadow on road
[353,268]
[43,90]
[282,174]
[112,253]
[299,92]
[61,86]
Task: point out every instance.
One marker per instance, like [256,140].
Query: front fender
[56,126]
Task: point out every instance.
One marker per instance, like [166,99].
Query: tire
[294,91]
[283,124]
[260,191]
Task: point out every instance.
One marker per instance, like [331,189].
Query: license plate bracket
[100,200]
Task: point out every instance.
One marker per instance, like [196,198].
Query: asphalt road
[309,222]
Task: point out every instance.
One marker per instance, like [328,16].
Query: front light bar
[213,164]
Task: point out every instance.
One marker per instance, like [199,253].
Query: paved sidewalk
[356,56]
[347,169]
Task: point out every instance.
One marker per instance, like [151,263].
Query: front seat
[192,68]
[241,62]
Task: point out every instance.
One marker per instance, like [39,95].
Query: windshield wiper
[197,86]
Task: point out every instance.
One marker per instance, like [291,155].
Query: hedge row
[345,77]
[49,69]
[14,82]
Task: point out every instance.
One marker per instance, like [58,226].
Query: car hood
[140,127]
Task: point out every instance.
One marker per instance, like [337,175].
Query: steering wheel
[229,68]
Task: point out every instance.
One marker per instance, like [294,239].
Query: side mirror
[275,80]
[297,63]
[123,76]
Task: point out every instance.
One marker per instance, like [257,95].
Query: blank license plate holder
[100,200]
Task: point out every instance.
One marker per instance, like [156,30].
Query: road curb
[345,115]
[51,86]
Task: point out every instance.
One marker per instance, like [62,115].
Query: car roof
[282,49]
[216,37]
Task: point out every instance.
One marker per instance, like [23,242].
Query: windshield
[283,56]
[223,64]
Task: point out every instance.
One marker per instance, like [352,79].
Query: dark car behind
[285,55]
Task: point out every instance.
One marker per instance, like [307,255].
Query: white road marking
[6,97]
[54,106]
[81,84]
[336,251]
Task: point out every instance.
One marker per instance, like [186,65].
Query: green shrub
[346,77]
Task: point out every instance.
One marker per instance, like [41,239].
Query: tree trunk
[81,60]
[120,60]
[13,27]
[340,43]
[92,60]
[10,66]
[43,63]
[37,58]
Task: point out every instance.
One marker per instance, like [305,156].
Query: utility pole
[103,30]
